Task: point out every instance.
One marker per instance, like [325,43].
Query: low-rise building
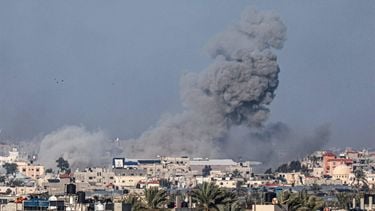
[34,171]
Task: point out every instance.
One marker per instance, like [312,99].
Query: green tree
[315,188]
[359,179]
[301,201]
[344,200]
[63,165]
[10,168]
[155,198]
[208,196]
[135,201]
[230,201]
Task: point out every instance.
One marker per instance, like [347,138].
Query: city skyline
[117,68]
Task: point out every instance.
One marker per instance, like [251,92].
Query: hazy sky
[116,65]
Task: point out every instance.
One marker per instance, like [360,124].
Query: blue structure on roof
[36,204]
[131,163]
[156,161]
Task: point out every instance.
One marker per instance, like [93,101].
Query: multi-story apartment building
[34,171]
[95,177]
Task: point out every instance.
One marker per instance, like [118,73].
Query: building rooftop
[213,162]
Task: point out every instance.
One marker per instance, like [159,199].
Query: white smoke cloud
[234,90]
[77,145]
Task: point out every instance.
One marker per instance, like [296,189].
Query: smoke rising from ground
[275,143]
[234,90]
[80,147]
[225,107]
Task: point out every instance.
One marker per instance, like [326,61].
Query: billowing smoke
[77,145]
[225,107]
[234,90]
[274,144]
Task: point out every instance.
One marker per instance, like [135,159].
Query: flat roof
[213,162]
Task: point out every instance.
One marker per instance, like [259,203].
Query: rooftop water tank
[81,197]
[71,189]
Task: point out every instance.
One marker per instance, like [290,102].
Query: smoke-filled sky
[116,66]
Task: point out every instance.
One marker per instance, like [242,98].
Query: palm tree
[135,200]
[230,201]
[301,201]
[343,200]
[155,198]
[208,196]
[359,179]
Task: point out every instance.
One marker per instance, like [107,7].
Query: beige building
[318,172]
[56,186]
[124,182]
[226,182]
[296,178]
[31,170]
[96,177]
[11,158]
[342,173]
[371,179]
[17,190]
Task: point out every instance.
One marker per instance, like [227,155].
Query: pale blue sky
[120,63]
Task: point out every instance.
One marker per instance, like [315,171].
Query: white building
[11,158]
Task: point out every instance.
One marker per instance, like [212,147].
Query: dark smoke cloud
[225,107]
[234,90]
[274,144]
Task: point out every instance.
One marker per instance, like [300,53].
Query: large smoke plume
[234,90]
[225,107]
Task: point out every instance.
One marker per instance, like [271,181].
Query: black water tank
[126,207]
[71,189]
[81,197]
[109,206]
[59,204]
[269,196]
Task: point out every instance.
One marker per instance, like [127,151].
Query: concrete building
[342,173]
[125,182]
[31,170]
[224,165]
[11,158]
[95,177]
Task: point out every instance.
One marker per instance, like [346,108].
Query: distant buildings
[183,173]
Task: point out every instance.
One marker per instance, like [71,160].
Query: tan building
[17,190]
[11,158]
[296,178]
[96,177]
[56,186]
[342,173]
[31,170]
[226,182]
[318,172]
[124,182]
